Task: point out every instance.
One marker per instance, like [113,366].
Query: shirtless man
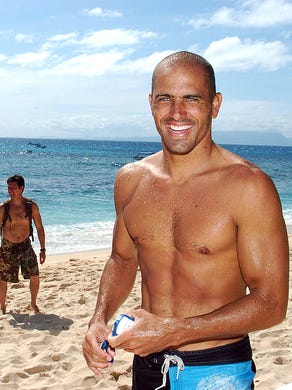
[206,229]
[16,249]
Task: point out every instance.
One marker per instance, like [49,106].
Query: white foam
[77,238]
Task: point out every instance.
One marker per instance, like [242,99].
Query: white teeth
[179,128]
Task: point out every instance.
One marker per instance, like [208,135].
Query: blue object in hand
[122,323]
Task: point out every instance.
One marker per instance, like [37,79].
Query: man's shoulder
[130,177]
[244,169]
[31,206]
[29,202]
[242,173]
[249,184]
[4,204]
[137,169]
[4,211]
[238,165]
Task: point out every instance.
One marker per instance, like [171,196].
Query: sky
[82,69]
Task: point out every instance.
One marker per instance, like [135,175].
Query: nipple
[203,250]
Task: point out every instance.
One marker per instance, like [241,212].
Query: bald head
[188,59]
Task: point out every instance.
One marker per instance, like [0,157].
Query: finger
[95,365]
[117,342]
[92,349]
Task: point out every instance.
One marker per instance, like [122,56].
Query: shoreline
[54,257]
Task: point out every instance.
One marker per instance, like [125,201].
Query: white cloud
[230,53]
[110,62]
[102,12]
[87,64]
[249,13]
[59,41]
[30,58]
[286,34]
[88,59]
[145,64]
[97,40]
[117,36]
[235,115]
[27,38]
[233,54]
[63,37]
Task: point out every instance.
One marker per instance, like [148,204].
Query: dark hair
[188,58]
[16,179]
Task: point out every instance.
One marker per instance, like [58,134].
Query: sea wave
[77,237]
[288,219]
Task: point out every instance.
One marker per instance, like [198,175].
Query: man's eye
[164,99]
[191,99]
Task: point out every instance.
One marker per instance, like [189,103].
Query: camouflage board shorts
[15,255]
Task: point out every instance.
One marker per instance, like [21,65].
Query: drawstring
[165,367]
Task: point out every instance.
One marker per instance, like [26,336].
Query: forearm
[41,237]
[250,313]
[116,283]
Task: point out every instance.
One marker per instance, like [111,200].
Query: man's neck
[17,200]
[180,167]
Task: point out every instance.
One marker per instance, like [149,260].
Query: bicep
[1,214]
[36,216]
[123,247]
[262,240]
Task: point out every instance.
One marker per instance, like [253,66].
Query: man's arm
[1,213]
[118,276]
[116,283]
[263,260]
[37,219]
[1,220]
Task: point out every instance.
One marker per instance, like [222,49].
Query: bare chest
[186,217]
[17,213]
[17,220]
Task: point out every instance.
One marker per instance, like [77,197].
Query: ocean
[72,182]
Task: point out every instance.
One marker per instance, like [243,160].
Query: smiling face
[14,190]
[183,106]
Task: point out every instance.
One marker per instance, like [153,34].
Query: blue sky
[82,69]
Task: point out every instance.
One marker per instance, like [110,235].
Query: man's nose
[178,109]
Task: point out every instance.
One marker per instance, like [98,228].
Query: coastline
[43,351]
[55,258]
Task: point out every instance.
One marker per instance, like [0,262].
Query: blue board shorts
[227,367]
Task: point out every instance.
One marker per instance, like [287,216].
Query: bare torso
[17,227]
[186,237]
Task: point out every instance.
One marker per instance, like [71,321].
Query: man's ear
[150,100]
[216,104]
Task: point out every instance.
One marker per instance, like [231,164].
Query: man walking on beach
[16,216]
[206,229]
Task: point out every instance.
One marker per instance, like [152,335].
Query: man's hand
[148,334]
[96,358]
[42,257]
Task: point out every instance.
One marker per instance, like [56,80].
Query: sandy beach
[43,351]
